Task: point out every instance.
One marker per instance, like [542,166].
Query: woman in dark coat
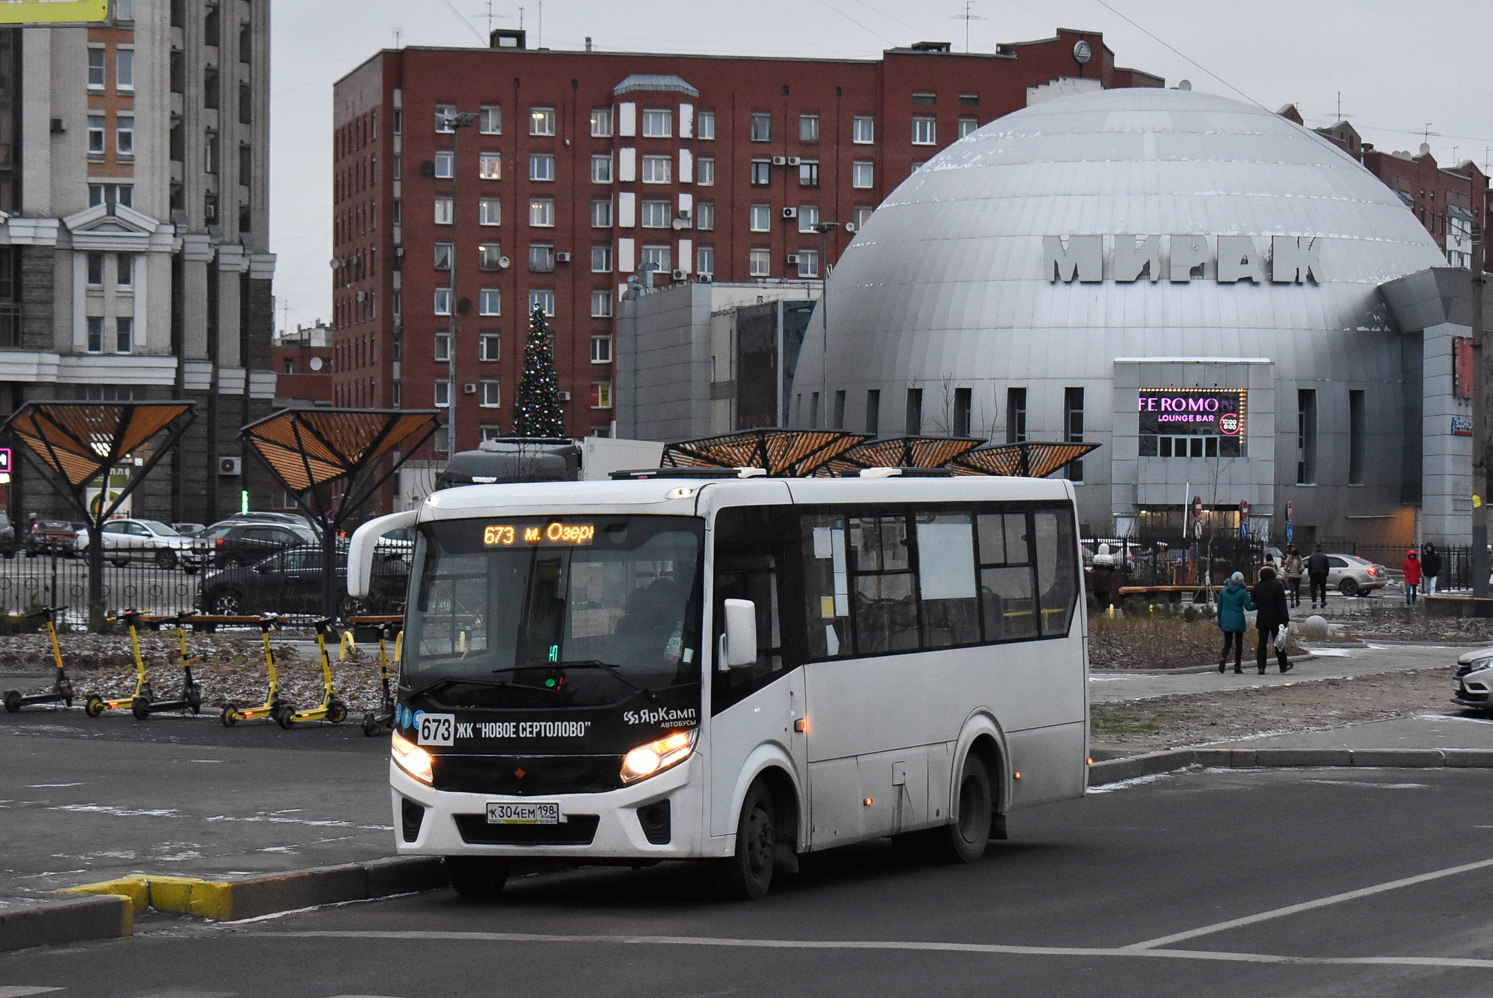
[1274,613]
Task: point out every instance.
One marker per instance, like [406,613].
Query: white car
[1474,681]
[1354,576]
[125,539]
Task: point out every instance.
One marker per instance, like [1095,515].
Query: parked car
[189,529]
[290,581]
[125,539]
[273,517]
[244,542]
[8,543]
[1354,576]
[55,537]
[1474,680]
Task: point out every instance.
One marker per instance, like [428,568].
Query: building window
[95,270]
[490,346]
[705,171]
[808,173]
[544,300]
[1073,427]
[924,131]
[601,259]
[839,416]
[656,169]
[861,215]
[873,411]
[601,123]
[761,218]
[542,213]
[925,99]
[493,432]
[445,118]
[442,211]
[111,195]
[705,260]
[442,301]
[441,347]
[490,256]
[659,258]
[863,130]
[761,127]
[492,394]
[490,211]
[601,349]
[445,164]
[96,69]
[96,135]
[761,172]
[656,214]
[705,125]
[808,128]
[541,259]
[914,412]
[808,263]
[442,395]
[490,166]
[705,215]
[601,169]
[490,120]
[601,308]
[601,214]
[1015,415]
[759,261]
[601,394]
[541,121]
[95,334]
[1357,436]
[124,270]
[658,123]
[808,217]
[489,302]
[967,126]
[1306,436]
[443,252]
[862,175]
[542,166]
[124,334]
[124,69]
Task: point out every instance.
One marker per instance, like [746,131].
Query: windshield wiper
[596,663]
[446,681]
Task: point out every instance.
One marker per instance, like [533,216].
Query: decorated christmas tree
[536,408]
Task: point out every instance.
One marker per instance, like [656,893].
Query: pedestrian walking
[1411,568]
[1316,575]
[1430,567]
[1269,563]
[1233,600]
[1295,568]
[1275,614]
[1102,578]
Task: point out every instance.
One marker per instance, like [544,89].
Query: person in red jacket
[1412,575]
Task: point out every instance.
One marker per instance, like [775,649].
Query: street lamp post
[824,229]
[455,121]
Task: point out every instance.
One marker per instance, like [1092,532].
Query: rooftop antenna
[398,34]
[966,17]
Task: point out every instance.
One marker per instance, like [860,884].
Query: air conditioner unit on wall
[792,258]
[469,388]
[562,257]
[790,212]
[794,160]
[564,396]
[780,161]
[677,275]
[230,466]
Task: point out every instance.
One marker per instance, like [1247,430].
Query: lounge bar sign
[1192,412]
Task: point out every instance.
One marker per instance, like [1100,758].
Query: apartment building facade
[581,174]
[134,232]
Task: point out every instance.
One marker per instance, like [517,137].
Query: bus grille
[578,830]
[541,774]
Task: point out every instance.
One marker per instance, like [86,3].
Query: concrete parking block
[1399,758]
[1471,758]
[405,875]
[49,922]
[1214,758]
[1115,770]
[302,889]
[1303,757]
[1244,758]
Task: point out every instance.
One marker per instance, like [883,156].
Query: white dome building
[1125,266]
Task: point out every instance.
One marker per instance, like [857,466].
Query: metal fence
[1456,560]
[1175,560]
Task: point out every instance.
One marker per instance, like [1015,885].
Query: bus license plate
[524,813]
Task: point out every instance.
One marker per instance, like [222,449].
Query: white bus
[739,670]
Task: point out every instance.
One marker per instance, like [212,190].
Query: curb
[1171,760]
[108,910]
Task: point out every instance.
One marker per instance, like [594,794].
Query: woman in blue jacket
[1233,600]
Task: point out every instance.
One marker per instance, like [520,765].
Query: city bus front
[549,696]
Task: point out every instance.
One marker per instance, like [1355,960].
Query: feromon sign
[1192,412]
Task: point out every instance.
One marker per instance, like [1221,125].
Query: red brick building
[302,362]
[581,171]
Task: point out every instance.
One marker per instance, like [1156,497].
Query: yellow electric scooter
[96,705]
[191,690]
[330,708]
[62,687]
[382,719]
[273,705]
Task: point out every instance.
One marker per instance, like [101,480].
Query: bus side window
[886,613]
[946,580]
[826,581]
[1008,603]
[751,544]
[1057,582]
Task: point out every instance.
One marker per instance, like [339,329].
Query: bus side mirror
[739,641]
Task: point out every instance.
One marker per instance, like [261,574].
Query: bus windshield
[560,611]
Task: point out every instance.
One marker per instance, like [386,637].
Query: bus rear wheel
[747,875]
[964,840]
[477,876]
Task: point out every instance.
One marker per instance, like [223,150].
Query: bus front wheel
[964,840]
[477,876]
[747,875]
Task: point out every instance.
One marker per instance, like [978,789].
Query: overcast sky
[1400,68]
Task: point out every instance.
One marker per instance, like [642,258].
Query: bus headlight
[645,760]
[412,758]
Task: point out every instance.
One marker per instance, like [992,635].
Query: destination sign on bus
[556,533]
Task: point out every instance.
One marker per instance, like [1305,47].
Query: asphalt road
[1282,883]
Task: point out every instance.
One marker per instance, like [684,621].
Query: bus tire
[478,876]
[747,875]
[964,839]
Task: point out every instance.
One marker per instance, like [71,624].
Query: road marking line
[889,944]
[1293,909]
[12,991]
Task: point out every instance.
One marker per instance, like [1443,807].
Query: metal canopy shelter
[329,460]
[1025,460]
[76,443]
[789,453]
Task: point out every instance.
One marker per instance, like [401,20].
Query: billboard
[1192,412]
[53,11]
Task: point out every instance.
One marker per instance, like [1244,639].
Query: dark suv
[239,542]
